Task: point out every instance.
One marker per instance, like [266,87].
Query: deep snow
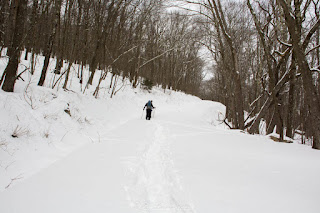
[105,157]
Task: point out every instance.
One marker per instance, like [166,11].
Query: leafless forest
[265,55]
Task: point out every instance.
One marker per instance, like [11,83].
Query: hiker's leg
[148,114]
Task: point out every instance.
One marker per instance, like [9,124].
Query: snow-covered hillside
[65,151]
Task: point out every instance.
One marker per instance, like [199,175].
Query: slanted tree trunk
[311,94]
[67,76]
[275,68]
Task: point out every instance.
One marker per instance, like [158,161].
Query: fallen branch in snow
[65,135]
[69,90]
[223,120]
[276,139]
[4,147]
[226,123]
[6,168]
[14,179]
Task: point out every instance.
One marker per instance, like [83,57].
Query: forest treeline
[266,63]
[265,54]
[131,38]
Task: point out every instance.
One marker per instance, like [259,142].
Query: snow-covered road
[179,162]
[127,169]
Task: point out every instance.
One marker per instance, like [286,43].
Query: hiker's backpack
[149,105]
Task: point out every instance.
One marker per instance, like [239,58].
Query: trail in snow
[128,169]
[154,184]
[180,162]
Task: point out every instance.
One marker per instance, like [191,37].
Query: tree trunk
[32,68]
[311,93]
[14,49]
[238,109]
[44,68]
[50,43]
[73,44]
[291,101]
[255,124]
[93,64]
[67,76]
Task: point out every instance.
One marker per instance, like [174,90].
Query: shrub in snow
[19,132]
[46,133]
[3,144]
[147,84]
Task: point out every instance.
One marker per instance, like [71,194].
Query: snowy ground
[105,157]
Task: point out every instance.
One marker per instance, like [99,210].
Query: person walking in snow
[149,107]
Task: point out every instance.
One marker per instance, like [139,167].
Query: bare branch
[312,49]
[310,34]
[256,100]
[283,54]
[316,69]
[158,56]
[284,43]
[305,8]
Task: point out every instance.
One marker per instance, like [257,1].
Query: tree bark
[14,49]
[291,100]
[50,43]
[238,98]
[311,93]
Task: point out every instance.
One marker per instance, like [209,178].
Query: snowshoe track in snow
[154,184]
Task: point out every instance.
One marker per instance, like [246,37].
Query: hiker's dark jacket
[148,107]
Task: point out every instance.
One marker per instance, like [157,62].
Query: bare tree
[50,38]
[294,23]
[10,72]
